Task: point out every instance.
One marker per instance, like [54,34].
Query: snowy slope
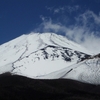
[28,53]
[87,71]
[47,60]
[48,56]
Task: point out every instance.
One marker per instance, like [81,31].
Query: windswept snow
[87,71]
[26,44]
[48,56]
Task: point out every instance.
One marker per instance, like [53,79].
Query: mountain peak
[26,44]
[46,55]
[57,40]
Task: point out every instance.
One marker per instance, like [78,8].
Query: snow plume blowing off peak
[48,56]
[83,29]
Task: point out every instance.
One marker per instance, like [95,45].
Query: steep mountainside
[47,48]
[49,56]
[87,71]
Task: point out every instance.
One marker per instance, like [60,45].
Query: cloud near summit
[85,30]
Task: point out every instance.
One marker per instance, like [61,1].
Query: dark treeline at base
[21,88]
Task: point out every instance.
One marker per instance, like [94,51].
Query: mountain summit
[48,56]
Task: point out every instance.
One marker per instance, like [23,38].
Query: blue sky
[79,20]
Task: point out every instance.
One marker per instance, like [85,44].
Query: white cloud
[59,10]
[84,37]
[42,17]
[89,16]
[92,43]
[49,26]
[63,9]
[49,8]
[82,32]
[71,9]
[56,11]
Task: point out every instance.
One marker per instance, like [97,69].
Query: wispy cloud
[63,9]
[49,8]
[48,25]
[89,17]
[59,10]
[71,9]
[85,31]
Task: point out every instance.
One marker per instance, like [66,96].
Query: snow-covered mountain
[48,56]
[87,71]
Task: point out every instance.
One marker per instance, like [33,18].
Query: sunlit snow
[48,56]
